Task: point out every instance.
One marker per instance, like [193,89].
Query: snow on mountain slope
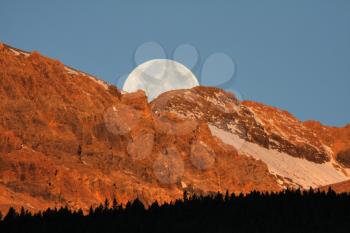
[18,52]
[269,127]
[291,171]
[298,154]
[73,71]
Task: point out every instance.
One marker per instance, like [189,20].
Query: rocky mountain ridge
[67,138]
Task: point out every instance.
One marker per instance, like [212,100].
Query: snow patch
[257,119]
[100,82]
[301,171]
[219,101]
[76,72]
[18,52]
[71,71]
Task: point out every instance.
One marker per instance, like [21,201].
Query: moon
[158,76]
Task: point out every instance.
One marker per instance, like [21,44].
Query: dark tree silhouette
[288,211]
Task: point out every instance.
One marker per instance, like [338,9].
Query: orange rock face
[336,138]
[67,138]
[341,187]
[264,125]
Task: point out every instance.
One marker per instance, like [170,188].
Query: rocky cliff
[68,138]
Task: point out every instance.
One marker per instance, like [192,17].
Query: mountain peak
[67,138]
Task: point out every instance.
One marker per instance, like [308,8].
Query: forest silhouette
[286,211]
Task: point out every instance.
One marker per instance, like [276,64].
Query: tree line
[287,211]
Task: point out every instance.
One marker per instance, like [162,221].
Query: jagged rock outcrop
[298,154]
[254,122]
[335,138]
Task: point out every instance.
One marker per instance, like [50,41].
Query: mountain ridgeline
[70,139]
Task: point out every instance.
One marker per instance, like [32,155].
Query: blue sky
[290,54]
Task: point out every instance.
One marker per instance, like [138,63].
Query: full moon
[158,76]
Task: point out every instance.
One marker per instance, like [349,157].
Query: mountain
[298,154]
[68,138]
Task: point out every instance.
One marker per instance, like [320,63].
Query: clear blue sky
[290,54]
